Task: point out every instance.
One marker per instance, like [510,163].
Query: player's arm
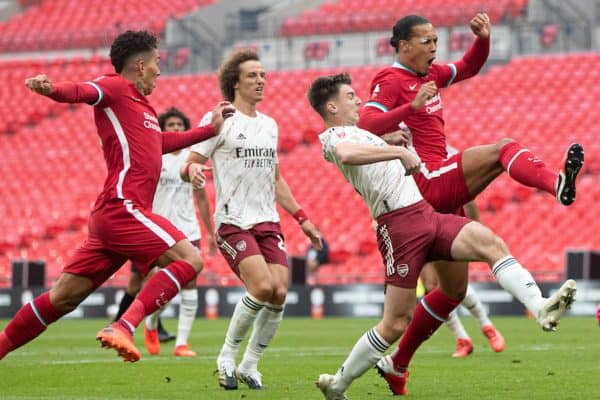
[193,170]
[173,141]
[478,53]
[65,92]
[285,198]
[204,210]
[382,115]
[359,154]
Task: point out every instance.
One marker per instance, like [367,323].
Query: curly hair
[173,113]
[325,88]
[229,72]
[403,29]
[128,44]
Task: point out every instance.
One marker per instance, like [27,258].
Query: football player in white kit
[464,343]
[248,186]
[174,200]
[409,233]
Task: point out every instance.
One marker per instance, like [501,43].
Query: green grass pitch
[67,363]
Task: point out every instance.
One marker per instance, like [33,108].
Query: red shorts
[411,236]
[443,185]
[263,239]
[120,231]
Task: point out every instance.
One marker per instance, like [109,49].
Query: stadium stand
[372,15]
[52,167]
[58,24]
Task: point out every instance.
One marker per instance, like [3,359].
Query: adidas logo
[241,136]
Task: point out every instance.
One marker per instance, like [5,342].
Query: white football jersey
[383,185]
[244,158]
[174,198]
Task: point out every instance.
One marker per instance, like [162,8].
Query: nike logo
[413,86]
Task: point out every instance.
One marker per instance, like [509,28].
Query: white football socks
[244,314]
[187,314]
[518,281]
[456,327]
[265,326]
[473,304]
[369,349]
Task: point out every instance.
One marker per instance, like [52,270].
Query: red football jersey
[398,85]
[131,141]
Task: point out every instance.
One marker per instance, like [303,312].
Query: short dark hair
[324,89]
[229,72]
[170,113]
[403,29]
[128,44]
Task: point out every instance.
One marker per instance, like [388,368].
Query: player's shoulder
[112,80]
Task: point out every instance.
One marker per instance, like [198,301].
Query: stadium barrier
[302,301]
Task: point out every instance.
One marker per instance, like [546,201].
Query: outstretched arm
[359,154]
[64,92]
[477,55]
[285,198]
[173,141]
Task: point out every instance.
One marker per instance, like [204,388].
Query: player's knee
[196,262]
[491,247]
[279,294]
[396,327]
[262,291]
[502,142]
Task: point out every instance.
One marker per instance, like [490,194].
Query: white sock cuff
[375,341]
[252,303]
[276,308]
[189,294]
[503,264]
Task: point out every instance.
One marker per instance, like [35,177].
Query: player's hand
[426,92]
[313,234]
[212,245]
[40,84]
[397,138]
[197,176]
[220,113]
[410,161]
[481,26]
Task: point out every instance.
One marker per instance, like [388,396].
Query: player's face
[174,124]
[150,72]
[348,105]
[419,51]
[251,83]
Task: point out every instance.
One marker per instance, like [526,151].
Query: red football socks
[431,312]
[28,323]
[526,168]
[158,291]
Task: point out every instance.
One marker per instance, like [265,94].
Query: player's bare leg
[475,242]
